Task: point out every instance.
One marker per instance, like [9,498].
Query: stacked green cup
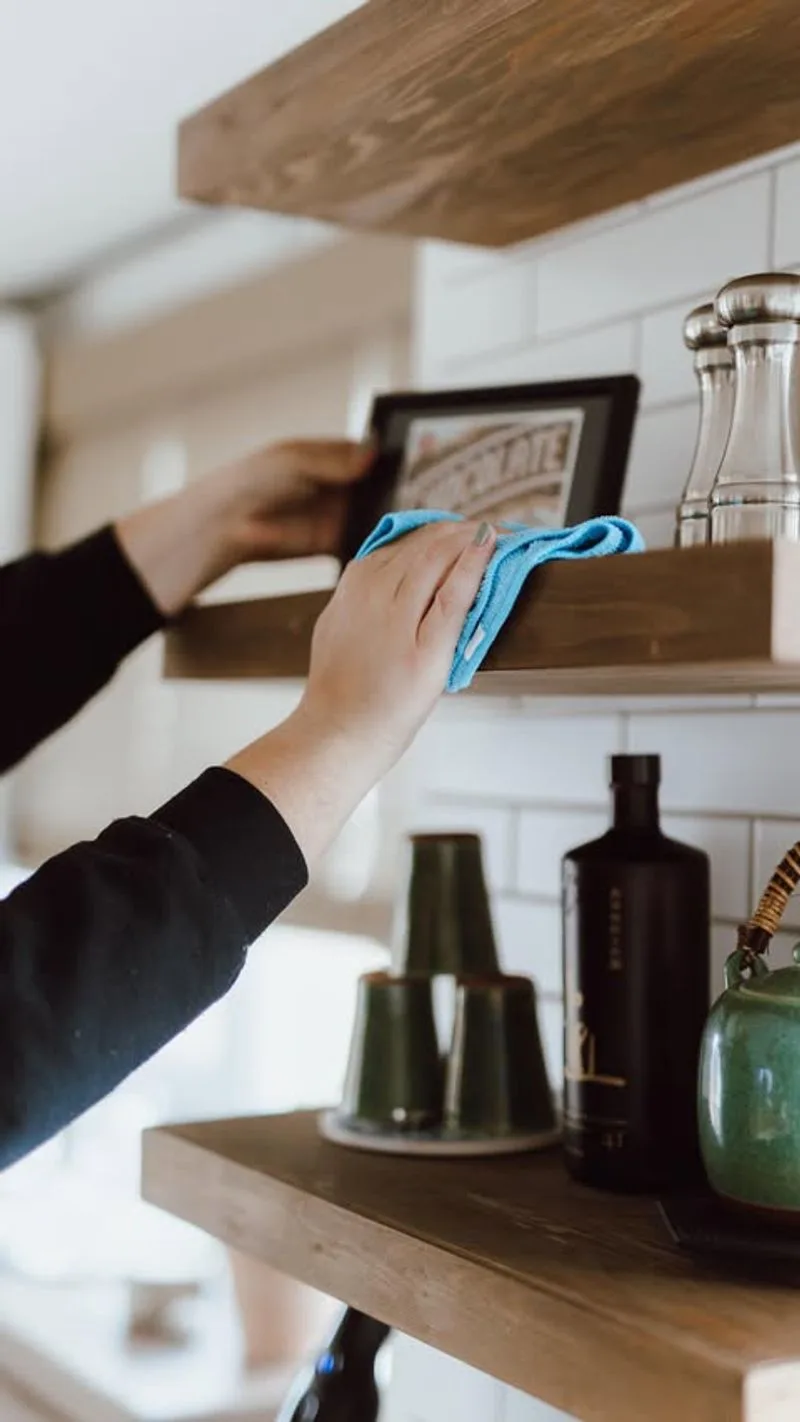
[496,1077]
[443,924]
[492,1083]
[394,1075]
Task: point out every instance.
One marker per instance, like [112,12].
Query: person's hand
[288,500]
[383,647]
[380,658]
[291,498]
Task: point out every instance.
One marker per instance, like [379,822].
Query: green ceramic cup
[496,1082]
[749,1089]
[443,924]
[394,1073]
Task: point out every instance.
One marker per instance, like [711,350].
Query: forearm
[315,774]
[287,500]
[182,544]
[115,946]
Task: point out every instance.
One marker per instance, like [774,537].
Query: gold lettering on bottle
[581,1042]
[615,960]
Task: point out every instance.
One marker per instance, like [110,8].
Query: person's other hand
[291,499]
[380,658]
[285,501]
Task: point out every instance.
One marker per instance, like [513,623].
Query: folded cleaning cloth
[518,551]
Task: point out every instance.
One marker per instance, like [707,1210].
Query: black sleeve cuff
[249,852]
[121,611]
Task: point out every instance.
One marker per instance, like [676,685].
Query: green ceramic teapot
[749,1084]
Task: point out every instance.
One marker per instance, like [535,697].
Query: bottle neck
[635,807]
[358,1337]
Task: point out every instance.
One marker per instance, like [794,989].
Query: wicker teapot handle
[756,934]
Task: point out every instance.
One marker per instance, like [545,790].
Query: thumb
[441,626]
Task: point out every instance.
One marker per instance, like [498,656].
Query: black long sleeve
[67,620]
[113,947]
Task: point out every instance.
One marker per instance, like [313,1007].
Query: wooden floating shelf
[699,620]
[571,1295]
[492,121]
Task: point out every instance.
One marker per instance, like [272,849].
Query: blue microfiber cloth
[519,550]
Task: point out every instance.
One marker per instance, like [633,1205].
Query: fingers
[442,623]
[325,461]
[316,528]
[396,557]
[427,564]
[408,574]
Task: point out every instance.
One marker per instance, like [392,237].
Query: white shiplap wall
[607,297]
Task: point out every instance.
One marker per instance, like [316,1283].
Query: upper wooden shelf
[697,620]
[492,121]
[574,1296]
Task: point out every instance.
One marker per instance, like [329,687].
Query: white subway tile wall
[495,825]
[661,453]
[659,256]
[526,762]
[544,838]
[529,941]
[492,310]
[606,297]
[657,526]
[428,1386]
[518,1407]
[786,249]
[605,351]
[727,844]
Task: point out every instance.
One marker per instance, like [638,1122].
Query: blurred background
[141,343]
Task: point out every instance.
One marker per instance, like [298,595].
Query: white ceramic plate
[334,1129]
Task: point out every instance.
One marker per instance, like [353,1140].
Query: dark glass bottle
[636,994]
[341,1386]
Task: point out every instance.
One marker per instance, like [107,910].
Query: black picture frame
[607,406]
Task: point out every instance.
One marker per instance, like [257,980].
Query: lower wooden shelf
[696,620]
[576,1297]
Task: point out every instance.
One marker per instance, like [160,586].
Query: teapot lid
[781,983]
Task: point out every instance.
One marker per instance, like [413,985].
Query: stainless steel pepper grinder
[713,366]
[756,493]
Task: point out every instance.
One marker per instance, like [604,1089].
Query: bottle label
[595,1036]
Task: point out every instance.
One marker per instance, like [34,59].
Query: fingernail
[483,535]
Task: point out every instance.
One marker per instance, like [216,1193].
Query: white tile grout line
[689,298]
[564,238]
[626,316]
[721,178]
[772,218]
[549,806]
[535,277]
[624,732]
[534,900]
[638,349]
[472,801]
[513,846]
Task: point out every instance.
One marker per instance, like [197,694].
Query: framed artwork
[548,455]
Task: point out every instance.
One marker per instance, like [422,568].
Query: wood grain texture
[491,121]
[262,637]
[574,1296]
[694,619]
